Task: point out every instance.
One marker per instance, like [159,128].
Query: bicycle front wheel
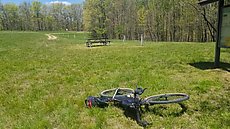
[166,98]
[119,92]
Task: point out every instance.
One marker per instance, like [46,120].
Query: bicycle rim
[120,92]
[166,98]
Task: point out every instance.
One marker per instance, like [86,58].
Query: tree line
[36,16]
[155,20]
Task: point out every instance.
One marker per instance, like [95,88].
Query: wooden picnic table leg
[87,44]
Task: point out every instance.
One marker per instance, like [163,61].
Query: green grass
[43,83]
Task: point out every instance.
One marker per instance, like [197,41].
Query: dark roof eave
[205,2]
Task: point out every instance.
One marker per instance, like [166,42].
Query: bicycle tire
[166,98]
[121,92]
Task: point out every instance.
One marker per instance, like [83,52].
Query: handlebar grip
[139,91]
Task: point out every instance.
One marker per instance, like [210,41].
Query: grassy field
[43,83]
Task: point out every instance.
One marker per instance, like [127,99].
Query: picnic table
[102,41]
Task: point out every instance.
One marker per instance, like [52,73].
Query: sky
[43,1]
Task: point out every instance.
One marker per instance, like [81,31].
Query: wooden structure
[102,41]
[220,6]
[205,2]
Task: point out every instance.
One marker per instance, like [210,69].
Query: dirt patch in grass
[51,37]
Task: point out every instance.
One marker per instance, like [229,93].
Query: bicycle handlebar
[139,90]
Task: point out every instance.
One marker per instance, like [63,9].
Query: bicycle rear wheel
[166,98]
[120,92]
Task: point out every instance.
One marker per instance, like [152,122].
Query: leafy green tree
[25,16]
[95,17]
[1,16]
[76,14]
[10,16]
[36,14]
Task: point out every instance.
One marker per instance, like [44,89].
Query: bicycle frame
[135,103]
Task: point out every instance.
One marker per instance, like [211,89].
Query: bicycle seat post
[138,91]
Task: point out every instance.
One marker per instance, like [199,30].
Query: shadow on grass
[131,113]
[98,45]
[210,65]
[160,111]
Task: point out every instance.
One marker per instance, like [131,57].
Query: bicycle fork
[137,108]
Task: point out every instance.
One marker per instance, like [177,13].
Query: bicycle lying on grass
[130,99]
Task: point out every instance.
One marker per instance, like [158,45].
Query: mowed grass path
[43,83]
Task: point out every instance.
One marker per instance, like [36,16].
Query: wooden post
[124,38]
[141,39]
[217,50]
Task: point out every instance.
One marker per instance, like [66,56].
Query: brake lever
[143,90]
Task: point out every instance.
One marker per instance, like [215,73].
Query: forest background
[157,20]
